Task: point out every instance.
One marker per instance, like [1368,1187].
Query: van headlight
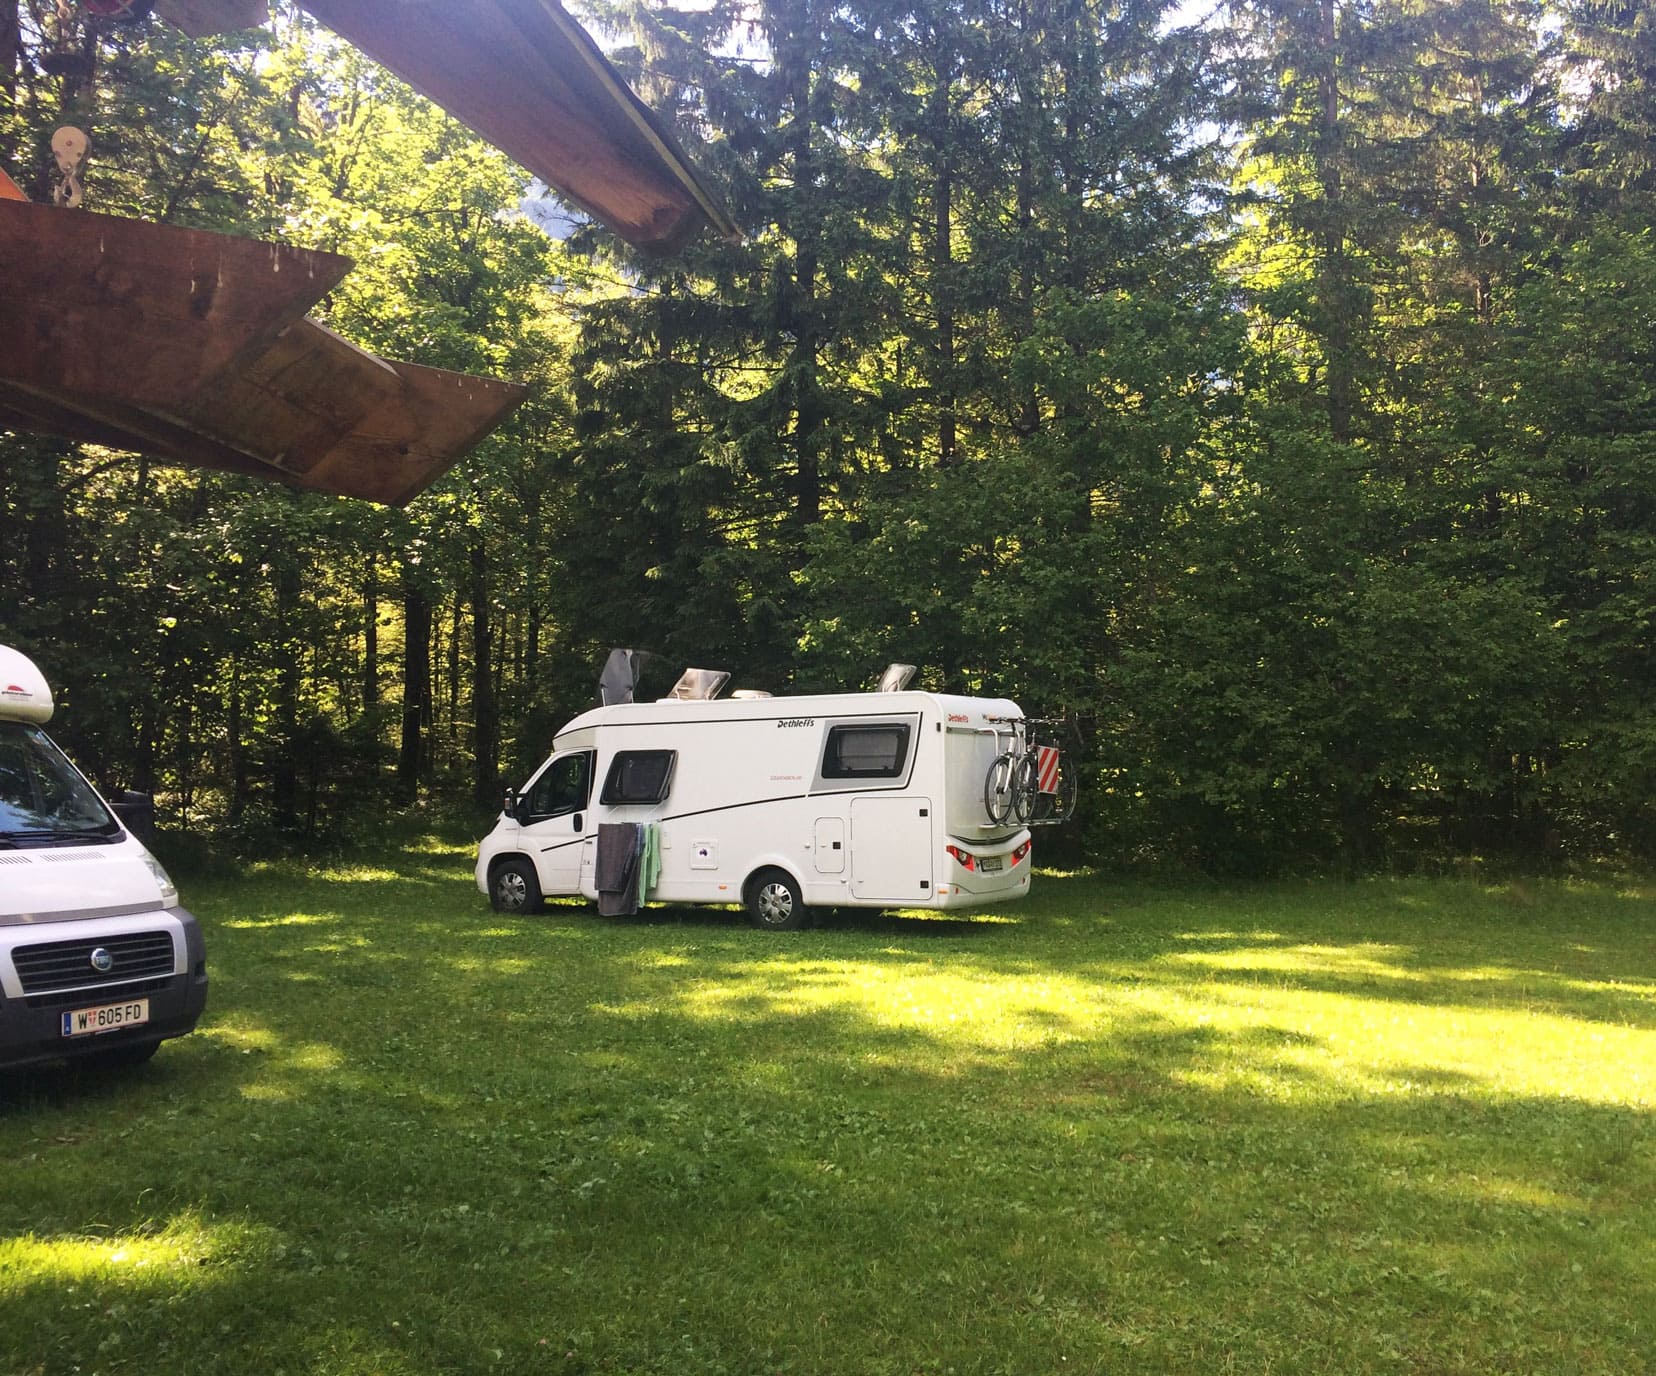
[169,891]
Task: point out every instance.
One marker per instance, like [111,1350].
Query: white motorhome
[869,800]
[97,960]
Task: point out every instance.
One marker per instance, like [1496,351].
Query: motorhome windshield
[44,801]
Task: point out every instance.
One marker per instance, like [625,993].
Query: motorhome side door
[891,849]
[553,815]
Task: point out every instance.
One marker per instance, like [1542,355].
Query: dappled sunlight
[990,1013]
[432,844]
[494,965]
[1367,960]
[339,946]
[238,1035]
[446,1119]
[1508,1191]
[954,918]
[278,1067]
[185,1252]
[1310,1021]
[285,920]
[1223,935]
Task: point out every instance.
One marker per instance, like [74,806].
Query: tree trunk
[238,748]
[284,774]
[1338,298]
[11,49]
[370,636]
[416,708]
[809,413]
[485,717]
[942,265]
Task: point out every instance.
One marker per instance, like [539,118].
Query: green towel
[649,865]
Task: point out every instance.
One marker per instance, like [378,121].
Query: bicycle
[1034,781]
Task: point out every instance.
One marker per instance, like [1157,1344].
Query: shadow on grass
[412,1139]
[618,1189]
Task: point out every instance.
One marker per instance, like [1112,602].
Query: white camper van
[782,804]
[97,960]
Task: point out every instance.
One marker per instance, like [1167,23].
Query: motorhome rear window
[639,776]
[866,752]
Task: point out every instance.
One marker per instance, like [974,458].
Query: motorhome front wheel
[775,903]
[515,888]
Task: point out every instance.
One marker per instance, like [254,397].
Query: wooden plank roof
[195,347]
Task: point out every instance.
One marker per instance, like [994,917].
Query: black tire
[774,902]
[514,887]
[1069,789]
[1058,806]
[1025,787]
[997,788]
[127,1057]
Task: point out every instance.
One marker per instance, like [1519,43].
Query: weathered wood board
[195,347]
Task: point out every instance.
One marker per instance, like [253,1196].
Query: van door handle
[575,821]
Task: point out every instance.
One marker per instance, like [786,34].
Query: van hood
[65,884]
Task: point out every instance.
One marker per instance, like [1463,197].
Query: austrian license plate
[990,863]
[86,1022]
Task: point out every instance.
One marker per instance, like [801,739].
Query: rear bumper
[980,891]
[31,1028]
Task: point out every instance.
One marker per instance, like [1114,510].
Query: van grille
[53,969]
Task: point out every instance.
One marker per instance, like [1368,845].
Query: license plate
[108,1017]
[990,863]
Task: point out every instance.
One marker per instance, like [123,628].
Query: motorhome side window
[866,752]
[638,776]
[563,787]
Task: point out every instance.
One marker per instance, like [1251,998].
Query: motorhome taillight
[968,861]
[1021,851]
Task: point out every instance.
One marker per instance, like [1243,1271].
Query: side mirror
[575,822]
[136,812]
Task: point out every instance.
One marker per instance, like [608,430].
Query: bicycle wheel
[997,788]
[1026,787]
[1069,789]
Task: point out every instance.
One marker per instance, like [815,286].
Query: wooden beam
[409,441]
[529,79]
[141,313]
[192,347]
[199,18]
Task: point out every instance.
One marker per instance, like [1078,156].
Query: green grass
[1387,1127]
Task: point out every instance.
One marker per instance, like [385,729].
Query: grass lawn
[1385,1127]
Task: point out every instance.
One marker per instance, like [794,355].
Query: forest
[1269,385]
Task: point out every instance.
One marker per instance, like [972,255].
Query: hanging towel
[616,870]
[649,865]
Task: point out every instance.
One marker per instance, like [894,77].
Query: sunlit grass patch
[171,1252]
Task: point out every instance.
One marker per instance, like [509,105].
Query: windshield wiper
[55,836]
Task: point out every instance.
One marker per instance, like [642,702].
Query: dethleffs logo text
[797,721]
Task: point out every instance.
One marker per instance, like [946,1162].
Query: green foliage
[1273,395]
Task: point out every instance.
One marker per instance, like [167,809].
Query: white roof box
[24,695]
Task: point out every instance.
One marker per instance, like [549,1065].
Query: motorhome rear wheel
[775,903]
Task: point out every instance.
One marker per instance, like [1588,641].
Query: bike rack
[1012,789]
